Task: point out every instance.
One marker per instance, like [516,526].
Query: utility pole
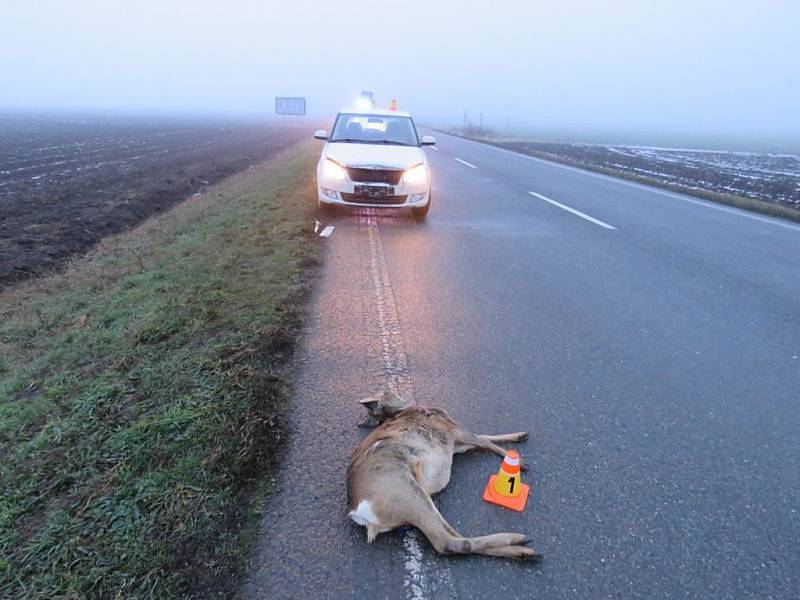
[480,125]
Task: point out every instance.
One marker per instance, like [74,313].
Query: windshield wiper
[347,140]
[355,141]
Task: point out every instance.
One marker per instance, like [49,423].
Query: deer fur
[396,469]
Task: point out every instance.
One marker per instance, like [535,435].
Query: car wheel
[420,212]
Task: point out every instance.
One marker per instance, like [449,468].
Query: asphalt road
[651,349]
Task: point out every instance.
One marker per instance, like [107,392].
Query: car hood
[374,155]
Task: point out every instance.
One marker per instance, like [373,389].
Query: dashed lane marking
[463,162]
[644,187]
[573,211]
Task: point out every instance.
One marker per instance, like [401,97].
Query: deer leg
[519,436]
[423,514]
[521,552]
[466,440]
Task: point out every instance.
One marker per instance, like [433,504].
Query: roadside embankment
[142,393]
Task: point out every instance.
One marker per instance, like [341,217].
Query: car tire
[420,212]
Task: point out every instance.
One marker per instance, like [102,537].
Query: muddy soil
[65,183]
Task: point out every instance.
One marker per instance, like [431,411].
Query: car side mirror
[428,140]
[320,134]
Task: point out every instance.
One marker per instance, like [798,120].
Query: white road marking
[433,148]
[327,232]
[421,576]
[573,211]
[647,188]
[463,162]
[731,211]
[414,583]
[395,363]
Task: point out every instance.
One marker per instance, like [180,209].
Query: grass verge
[142,393]
[751,204]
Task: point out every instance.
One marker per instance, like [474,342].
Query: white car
[374,158]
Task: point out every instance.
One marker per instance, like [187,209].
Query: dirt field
[773,178]
[67,182]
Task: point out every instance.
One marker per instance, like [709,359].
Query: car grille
[361,175]
[378,200]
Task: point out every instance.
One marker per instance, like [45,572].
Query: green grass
[142,394]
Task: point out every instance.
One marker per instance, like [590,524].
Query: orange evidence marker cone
[506,488]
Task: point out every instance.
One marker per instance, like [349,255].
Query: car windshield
[375,129]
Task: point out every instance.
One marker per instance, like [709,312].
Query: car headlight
[415,175]
[332,170]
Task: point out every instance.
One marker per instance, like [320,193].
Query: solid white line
[731,211]
[463,162]
[573,211]
[421,575]
[644,187]
[327,232]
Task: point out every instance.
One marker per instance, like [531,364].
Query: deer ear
[392,403]
[369,402]
[392,397]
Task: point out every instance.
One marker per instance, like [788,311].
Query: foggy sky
[688,65]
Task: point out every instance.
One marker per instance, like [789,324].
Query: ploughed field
[65,183]
[771,178]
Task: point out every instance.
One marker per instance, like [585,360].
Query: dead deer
[394,471]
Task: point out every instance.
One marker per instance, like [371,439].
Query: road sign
[285,105]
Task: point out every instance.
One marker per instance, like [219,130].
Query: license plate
[374,191]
